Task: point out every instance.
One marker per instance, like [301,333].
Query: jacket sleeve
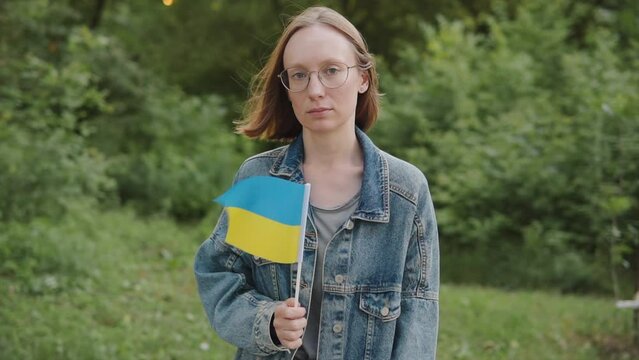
[417,326]
[239,314]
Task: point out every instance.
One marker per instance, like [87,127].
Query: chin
[322,126]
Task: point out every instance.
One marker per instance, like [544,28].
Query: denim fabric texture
[381,269]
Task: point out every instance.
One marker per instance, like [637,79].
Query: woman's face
[318,108]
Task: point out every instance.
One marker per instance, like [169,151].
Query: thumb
[290,302]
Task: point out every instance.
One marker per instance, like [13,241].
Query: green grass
[133,296]
[481,323]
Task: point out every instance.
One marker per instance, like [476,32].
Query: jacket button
[385,311]
[339,278]
[349,225]
[337,328]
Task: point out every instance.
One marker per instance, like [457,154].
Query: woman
[370,275]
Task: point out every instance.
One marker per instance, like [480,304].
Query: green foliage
[170,152]
[46,159]
[529,141]
[46,256]
[43,175]
[204,46]
[110,285]
[523,115]
[142,304]
[81,119]
[103,286]
[481,323]
[182,43]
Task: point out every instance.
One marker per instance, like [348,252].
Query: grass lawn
[137,299]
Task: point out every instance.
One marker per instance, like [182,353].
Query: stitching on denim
[261,307]
[396,188]
[230,261]
[310,239]
[220,242]
[423,295]
[247,295]
[424,258]
[279,168]
[371,216]
[370,332]
[274,279]
[385,179]
[387,318]
[267,154]
[352,289]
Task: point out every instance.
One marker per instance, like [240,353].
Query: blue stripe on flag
[274,198]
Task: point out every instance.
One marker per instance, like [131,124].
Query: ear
[364,83]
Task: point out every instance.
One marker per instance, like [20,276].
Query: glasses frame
[348,70]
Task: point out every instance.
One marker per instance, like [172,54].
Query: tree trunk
[97,14]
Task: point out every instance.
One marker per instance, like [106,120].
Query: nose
[315,86]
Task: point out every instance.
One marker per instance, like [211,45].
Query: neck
[327,150]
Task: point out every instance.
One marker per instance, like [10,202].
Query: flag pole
[300,248]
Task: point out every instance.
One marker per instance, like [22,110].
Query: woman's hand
[289,323]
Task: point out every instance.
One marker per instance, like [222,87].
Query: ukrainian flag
[266,217]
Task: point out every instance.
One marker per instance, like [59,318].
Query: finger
[292,344]
[279,309]
[289,325]
[282,316]
[293,313]
[290,335]
[296,325]
[283,311]
[290,302]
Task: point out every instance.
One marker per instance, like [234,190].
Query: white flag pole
[300,250]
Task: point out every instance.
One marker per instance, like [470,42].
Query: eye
[331,70]
[298,75]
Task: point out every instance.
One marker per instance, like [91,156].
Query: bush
[524,136]
[47,256]
[46,158]
[82,119]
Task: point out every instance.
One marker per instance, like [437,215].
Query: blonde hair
[269,114]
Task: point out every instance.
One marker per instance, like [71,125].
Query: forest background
[116,131]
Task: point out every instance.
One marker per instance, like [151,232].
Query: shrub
[525,137]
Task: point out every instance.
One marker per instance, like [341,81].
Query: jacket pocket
[384,306]
[379,310]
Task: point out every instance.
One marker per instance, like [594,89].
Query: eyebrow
[323,63]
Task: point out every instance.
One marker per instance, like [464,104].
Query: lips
[319,110]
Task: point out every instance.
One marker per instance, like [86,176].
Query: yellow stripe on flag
[262,237]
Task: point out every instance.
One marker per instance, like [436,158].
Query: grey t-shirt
[327,222]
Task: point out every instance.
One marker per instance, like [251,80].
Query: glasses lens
[294,79]
[334,75]
[331,76]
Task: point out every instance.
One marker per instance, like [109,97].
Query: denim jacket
[381,269]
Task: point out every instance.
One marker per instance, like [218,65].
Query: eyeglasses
[331,76]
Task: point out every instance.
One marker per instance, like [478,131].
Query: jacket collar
[374,194]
